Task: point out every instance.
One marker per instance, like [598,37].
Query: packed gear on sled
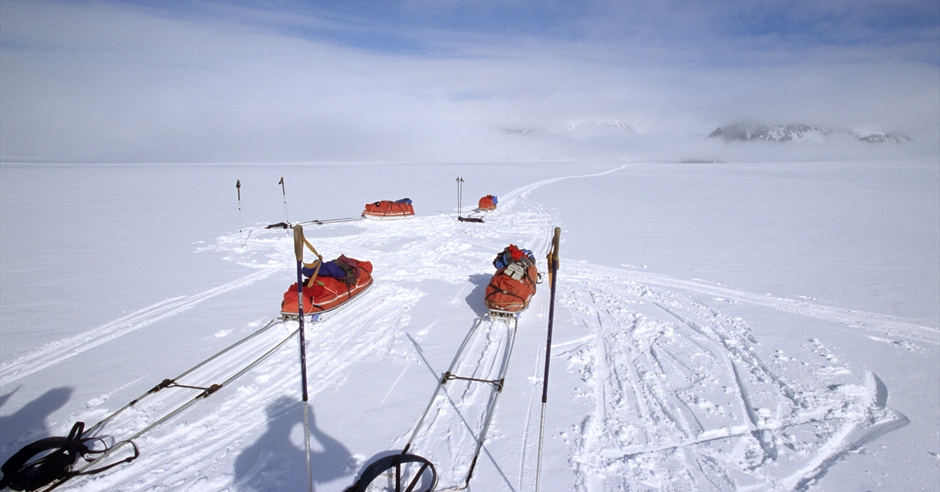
[327,285]
[513,284]
[488,203]
[387,209]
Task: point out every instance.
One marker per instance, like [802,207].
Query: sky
[452,81]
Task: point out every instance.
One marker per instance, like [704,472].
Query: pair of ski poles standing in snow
[238,189]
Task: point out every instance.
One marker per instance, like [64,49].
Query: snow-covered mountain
[879,137]
[795,132]
[775,133]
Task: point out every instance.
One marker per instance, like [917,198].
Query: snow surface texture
[664,375]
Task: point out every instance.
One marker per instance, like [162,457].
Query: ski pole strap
[299,242]
[59,454]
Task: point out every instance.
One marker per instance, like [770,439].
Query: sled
[487,203]
[512,286]
[476,377]
[389,210]
[323,293]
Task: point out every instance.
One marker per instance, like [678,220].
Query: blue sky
[446,80]
[911,28]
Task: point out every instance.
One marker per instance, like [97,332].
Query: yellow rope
[317,263]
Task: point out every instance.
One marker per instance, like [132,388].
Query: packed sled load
[513,284]
[328,285]
[488,203]
[387,209]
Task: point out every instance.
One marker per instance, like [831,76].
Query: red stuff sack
[512,287]
[488,203]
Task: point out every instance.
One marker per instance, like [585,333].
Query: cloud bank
[434,82]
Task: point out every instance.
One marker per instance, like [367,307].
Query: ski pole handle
[556,241]
[299,242]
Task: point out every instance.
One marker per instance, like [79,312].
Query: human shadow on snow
[28,424]
[275,462]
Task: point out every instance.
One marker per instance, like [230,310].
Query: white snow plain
[762,326]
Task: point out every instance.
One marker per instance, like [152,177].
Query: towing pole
[552,280]
[299,255]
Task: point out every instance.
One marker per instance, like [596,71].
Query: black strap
[51,459]
[379,466]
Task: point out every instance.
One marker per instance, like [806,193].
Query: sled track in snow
[683,402]
[857,320]
[54,352]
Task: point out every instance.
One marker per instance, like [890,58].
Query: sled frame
[511,320]
[203,392]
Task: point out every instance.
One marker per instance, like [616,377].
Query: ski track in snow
[682,402]
[678,398]
[65,348]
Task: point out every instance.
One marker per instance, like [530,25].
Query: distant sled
[488,203]
[389,210]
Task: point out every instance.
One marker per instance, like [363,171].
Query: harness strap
[315,264]
[58,454]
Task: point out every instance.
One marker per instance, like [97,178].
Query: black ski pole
[238,187]
[284,192]
[299,255]
[552,279]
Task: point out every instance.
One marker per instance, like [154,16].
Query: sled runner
[387,209]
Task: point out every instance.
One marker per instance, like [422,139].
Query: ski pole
[238,187]
[299,255]
[284,192]
[552,279]
[459,196]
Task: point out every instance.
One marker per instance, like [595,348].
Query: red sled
[513,284]
[488,203]
[324,293]
[387,209]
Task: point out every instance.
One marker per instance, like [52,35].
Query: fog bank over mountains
[621,139]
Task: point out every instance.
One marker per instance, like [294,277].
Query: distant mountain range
[795,132]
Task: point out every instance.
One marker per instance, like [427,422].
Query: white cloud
[99,82]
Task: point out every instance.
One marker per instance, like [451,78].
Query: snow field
[658,382]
